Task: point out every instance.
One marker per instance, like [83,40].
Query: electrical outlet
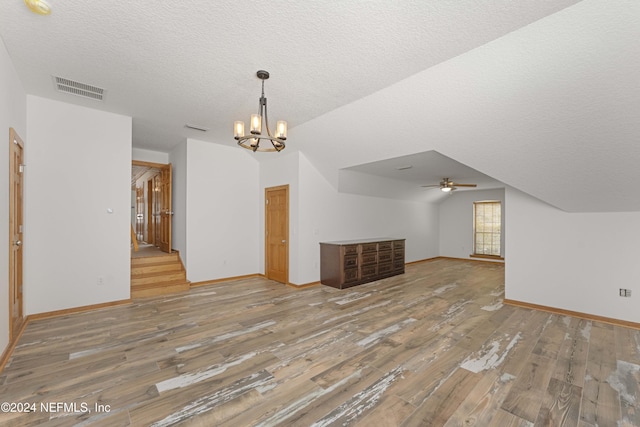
[625,292]
[100,281]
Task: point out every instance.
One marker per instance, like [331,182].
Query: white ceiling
[404,177]
[171,63]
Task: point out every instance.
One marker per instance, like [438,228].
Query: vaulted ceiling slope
[551,109]
[541,95]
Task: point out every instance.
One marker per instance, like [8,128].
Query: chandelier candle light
[252,141]
[41,7]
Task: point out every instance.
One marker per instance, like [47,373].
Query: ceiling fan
[447,185]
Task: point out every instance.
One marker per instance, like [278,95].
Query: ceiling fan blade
[455,184]
[427,186]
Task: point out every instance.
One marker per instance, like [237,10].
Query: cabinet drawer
[369,247]
[385,268]
[350,261]
[398,244]
[398,254]
[351,250]
[351,275]
[384,256]
[369,271]
[398,265]
[385,246]
[369,258]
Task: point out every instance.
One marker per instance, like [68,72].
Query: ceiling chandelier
[253,140]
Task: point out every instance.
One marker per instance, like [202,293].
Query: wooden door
[156,209]
[150,200]
[16,317]
[166,214]
[277,233]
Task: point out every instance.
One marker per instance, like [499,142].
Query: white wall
[78,167]
[13,113]
[178,160]
[573,261]
[222,220]
[456,221]
[318,212]
[143,155]
[327,215]
[282,169]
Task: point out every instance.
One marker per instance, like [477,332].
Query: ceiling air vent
[78,89]
[196,127]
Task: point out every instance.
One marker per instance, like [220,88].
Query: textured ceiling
[541,95]
[170,63]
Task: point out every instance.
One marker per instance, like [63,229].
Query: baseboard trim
[6,355]
[82,309]
[48,315]
[308,285]
[225,279]
[561,311]
[304,285]
[420,261]
[248,276]
[479,259]
[490,257]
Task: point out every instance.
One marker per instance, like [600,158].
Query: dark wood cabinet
[349,263]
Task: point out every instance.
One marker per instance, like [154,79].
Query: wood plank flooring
[432,347]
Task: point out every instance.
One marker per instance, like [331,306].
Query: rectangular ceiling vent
[78,89]
[196,127]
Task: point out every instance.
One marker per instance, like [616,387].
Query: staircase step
[174,256]
[158,275]
[156,268]
[163,288]
[150,278]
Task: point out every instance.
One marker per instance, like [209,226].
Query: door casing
[166,212]
[159,205]
[16,247]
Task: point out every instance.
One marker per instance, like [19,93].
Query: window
[487,226]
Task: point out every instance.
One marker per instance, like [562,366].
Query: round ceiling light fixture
[41,7]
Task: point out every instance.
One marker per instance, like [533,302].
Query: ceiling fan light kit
[256,123]
[447,186]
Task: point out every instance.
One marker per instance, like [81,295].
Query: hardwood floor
[432,347]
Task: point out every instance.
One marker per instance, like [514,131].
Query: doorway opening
[151,213]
